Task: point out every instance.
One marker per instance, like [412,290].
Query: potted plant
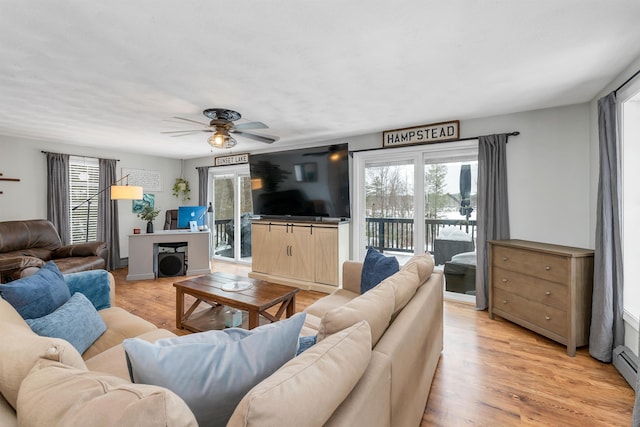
[149,214]
[181,189]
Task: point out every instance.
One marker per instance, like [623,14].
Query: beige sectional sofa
[373,365]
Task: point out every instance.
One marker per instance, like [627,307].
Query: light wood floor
[491,373]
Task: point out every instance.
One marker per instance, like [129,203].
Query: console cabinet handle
[547,267]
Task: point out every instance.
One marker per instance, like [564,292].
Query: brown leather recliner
[27,245]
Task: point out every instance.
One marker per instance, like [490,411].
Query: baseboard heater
[627,364]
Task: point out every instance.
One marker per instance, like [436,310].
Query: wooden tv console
[304,254]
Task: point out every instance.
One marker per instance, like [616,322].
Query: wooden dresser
[545,288]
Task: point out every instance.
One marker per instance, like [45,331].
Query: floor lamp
[118,192]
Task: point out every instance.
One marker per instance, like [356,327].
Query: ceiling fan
[222,126]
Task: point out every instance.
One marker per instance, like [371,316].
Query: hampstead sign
[236,159]
[427,134]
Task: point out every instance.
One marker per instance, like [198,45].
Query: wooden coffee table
[254,300]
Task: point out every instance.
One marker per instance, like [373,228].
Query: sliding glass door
[232,212]
[420,199]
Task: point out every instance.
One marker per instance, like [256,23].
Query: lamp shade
[126,192]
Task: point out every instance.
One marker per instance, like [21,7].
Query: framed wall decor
[147,199]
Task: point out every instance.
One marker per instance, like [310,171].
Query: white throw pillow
[211,371]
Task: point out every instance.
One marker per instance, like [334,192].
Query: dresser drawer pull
[547,267]
[547,318]
[547,293]
[505,258]
[505,301]
[505,280]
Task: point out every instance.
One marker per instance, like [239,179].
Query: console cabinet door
[327,260]
[262,258]
[301,252]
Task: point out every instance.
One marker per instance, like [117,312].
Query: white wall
[548,171]
[23,159]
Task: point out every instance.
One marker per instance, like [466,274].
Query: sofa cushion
[335,299]
[19,352]
[94,284]
[113,360]
[375,306]
[309,388]
[120,325]
[76,321]
[54,394]
[213,370]
[37,295]
[424,263]
[376,268]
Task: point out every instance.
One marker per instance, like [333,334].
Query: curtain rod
[75,155]
[626,82]
[514,133]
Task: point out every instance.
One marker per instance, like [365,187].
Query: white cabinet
[308,255]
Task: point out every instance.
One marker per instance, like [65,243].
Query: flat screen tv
[310,182]
[191,213]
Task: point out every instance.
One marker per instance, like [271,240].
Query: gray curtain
[58,194]
[493,206]
[108,226]
[203,185]
[607,326]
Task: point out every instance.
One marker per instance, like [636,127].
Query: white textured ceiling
[112,73]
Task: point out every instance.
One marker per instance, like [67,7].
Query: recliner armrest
[82,249]
[10,267]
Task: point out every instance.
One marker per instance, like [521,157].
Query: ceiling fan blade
[192,121]
[261,138]
[187,131]
[252,125]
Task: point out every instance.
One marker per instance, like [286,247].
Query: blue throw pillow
[39,294]
[76,321]
[94,284]
[376,268]
[211,371]
[305,343]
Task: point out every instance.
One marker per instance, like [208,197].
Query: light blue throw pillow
[94,284]
[375,268]
[76,321]
[39,294]
[211,371]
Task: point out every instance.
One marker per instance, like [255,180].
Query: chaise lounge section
[373,363]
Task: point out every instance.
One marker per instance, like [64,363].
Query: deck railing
[396,234]
[384,234]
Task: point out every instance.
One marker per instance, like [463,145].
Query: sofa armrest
[351,275]
[82,249]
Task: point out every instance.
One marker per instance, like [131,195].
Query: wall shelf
[8,179]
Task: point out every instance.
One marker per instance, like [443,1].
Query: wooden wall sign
[235,159]
[427,134]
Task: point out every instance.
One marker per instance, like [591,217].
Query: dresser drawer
[543,316]
[542,265]
[543,291]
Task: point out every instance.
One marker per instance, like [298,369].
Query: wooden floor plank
[491,373]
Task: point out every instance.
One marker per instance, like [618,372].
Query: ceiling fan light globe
[221,141]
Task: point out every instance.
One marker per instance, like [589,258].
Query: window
[629,112]
[83,183]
